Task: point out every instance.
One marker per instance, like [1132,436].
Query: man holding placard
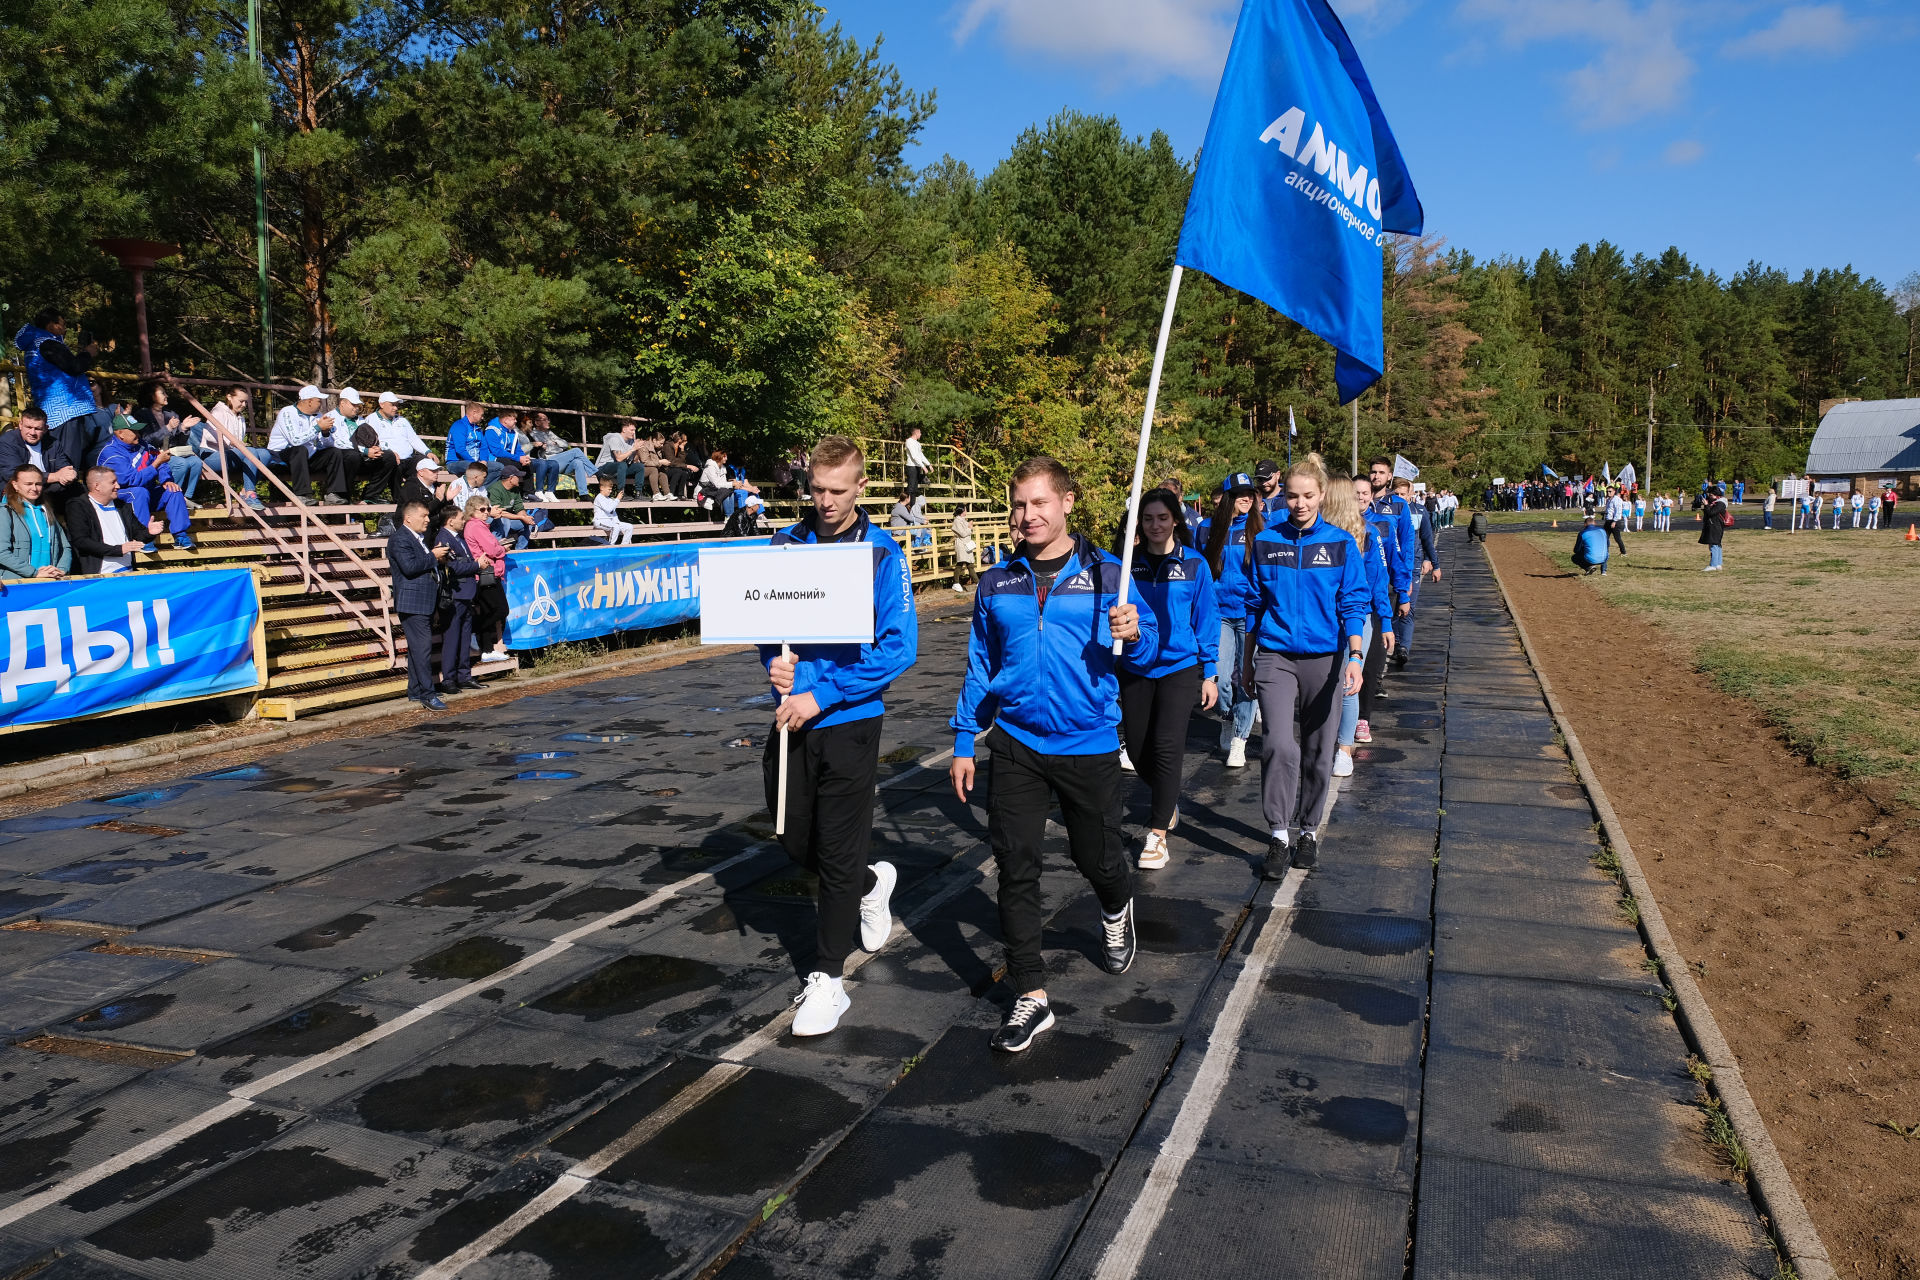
[1041,669]
[830,701]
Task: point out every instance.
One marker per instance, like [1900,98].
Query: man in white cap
[361,456]
[398,437]
[298,443]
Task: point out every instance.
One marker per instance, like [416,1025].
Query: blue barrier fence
[90,646]
[581,593]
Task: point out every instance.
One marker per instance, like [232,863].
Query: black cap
[1264,468]
[513,469]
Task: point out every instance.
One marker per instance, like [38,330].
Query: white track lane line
[715,1078]
[239,1099]
[1122,1258]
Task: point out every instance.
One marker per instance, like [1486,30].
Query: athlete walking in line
[1427,565]
[1305,623]
[1381,519]
[830,701]
[1402,547]
[1346,506]
[1041,670]
[1236,519]
[1172,582]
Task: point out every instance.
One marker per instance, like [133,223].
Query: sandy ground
[1791,893]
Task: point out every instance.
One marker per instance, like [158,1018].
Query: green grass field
[1820,630]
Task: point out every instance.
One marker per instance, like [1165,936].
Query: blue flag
[1298,178]
[1549,471]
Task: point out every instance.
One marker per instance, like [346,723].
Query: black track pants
[830,780]
[1154,715]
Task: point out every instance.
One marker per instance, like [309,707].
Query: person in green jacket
[33,544]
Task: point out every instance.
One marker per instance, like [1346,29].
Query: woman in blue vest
[1236,520]
[1174,583]
[1305,624]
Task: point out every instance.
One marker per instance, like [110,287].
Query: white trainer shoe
[1126,761]
[1237,754]
[1153,854]
[818,1008]
[876,908]
[1342,763]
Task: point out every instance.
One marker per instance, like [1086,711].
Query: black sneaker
[1117,942]
[1279,857]
[1028,1018]
[1306,851]
[1400,658]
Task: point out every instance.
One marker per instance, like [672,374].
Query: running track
[418,1004]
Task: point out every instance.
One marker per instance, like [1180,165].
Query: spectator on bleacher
[620,459]
[425,487]
[397,436]
[246,463]
[162,430]
[501,443]
[606,515]
[682,476]
[466,482]
[651,444]
[790,474]
[366,466]
[32,542]
[28,444]
[463,571]
[728,493]
[917,464]
[490,594]
[416,594]
[966,552]
[901,517]
[513,521]
[463,437]
[299,443]
[146,482]
[102,526]
[57,376]
[558,458]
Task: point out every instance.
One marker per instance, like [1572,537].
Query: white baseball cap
[311,392]
[387,397]
[349,394]
[426,464]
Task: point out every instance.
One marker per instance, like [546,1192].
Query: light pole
[260,202]
[1646,482]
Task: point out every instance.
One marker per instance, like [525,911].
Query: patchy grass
[1820,630]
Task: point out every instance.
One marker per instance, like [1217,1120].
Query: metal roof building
[1867,437]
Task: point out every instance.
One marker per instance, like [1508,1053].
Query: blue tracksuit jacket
[1423,525]
[1376,555]
[1180,597]
[497,441]
[1384,526]
[1404,554]
[1230,588]
[848,680]
[463,442]
[1309,589]
[1590,546]
[1047,676]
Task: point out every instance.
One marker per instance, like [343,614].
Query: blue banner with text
[84,646]
[580,593]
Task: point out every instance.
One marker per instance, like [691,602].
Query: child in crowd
[606,515]
[1859,507]
[1640,512]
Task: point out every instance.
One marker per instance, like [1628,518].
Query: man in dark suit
[102,527]
[416,594]
[29,443]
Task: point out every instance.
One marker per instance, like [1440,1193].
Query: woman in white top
[917,464]
[248,463]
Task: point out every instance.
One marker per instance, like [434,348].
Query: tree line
[701,211]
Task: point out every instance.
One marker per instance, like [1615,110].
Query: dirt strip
[1791,893]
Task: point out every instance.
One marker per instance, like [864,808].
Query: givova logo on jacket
[1319,555]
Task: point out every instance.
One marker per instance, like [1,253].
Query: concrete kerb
[1770,1183]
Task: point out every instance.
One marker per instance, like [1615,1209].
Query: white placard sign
[801,593]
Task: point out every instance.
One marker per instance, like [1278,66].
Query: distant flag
[1549,471]
[1298,177]
[1404,470]
[1627,474]
[1292,430]
[1606,473]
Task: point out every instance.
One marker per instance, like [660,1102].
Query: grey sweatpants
[1294,775]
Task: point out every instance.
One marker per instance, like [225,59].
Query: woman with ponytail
[1305,623]
[1344,507]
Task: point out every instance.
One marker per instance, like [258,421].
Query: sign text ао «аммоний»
[775,593]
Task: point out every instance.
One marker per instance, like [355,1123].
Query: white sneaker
[876,908]
[1153,854]
[1126,761]
[817,1009]
[498,655]
[960,589]
[1237,754]
[1342,763]
[663,497]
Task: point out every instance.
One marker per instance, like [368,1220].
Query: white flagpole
[1146,431]
[780,800]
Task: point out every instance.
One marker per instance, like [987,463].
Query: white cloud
[1638,67]
[1801,29]
[1683,151]
[1152,38]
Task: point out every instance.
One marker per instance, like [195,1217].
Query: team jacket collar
[806,531]
[1081,557]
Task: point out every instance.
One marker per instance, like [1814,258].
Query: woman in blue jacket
[1305,625]
[1346,506]
[1173,583]
[1236,519]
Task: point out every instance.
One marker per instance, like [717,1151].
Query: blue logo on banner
[82,646]
[1297,178]
[578,594]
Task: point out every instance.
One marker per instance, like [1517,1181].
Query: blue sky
[1737,129]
